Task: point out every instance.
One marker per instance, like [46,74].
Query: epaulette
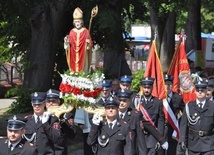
[29,145]
[28,116]
[135,111]
[124,122]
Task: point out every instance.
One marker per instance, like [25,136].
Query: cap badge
[14,117]
[35,94]
[50,91]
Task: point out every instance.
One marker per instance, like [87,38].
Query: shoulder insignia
[135,111]
[124,122]
[56,126]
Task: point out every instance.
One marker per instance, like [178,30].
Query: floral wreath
[80,89]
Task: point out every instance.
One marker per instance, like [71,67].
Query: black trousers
[86,148]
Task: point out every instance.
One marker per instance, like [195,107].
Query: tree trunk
[168,41]
[193,29]
[46,25]
[115,64]
[165,39]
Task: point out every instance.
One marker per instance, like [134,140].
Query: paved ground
[5,103]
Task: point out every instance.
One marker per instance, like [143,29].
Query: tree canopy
[38,27]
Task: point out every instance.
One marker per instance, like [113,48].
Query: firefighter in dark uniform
[125,84]
[133,117]
[176,104]
[154,108]
[68,130]
[40,129]
[115,87]
[197,125]
[14,144]
[112,136]
[210,90]
[105,94]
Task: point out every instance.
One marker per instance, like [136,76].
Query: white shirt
[35,117]
[13,145]
[203,102]
[113,123]
[169,97]
[123,113]
[147,99]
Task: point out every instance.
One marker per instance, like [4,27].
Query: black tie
[110,125]
[200,105]
[11,147]
[121,116]
[38,121]
[169,99]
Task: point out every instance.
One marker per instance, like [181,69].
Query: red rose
[76,91]
[65,88]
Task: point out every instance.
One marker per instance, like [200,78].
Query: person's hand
[67,115]
[183,146]
[165,145]
[87,40]
[157,146]
[66,42]
[81,126]
[96,119]
[45,117]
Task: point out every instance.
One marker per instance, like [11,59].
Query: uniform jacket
[154,108]
[116,141]
[188,133]
[43,136]
[176,104]
[68,131]
[100,102]
[132,117]
[23,148]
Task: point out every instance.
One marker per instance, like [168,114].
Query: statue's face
[78,24]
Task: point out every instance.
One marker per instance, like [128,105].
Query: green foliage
[136,81]
[207,18]
[23,102]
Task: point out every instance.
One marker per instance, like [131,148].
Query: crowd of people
[134,123]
